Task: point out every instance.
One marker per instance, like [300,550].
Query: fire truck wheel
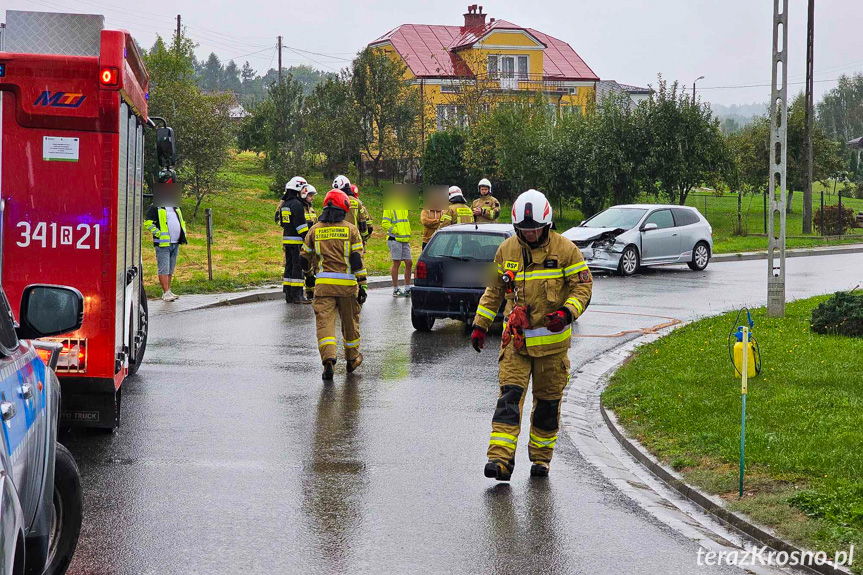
[67,513]
[135,362]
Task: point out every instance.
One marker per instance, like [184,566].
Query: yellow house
[496,58]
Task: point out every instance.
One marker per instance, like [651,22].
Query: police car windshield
[469,246]
[624,218]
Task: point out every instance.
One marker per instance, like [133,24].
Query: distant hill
[734,117]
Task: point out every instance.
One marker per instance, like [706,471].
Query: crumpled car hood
[585,234]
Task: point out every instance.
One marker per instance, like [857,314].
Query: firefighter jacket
[365,213]
[431,222]
[396,225]
[547,278]
[294,225]
[309,212]
[156,222]
[490,209]
[335,252]
[358,215]
[457,213]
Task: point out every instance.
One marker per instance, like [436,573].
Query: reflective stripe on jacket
[156,222]
[334,250]
[547,278]
[490,209]
[396,225]
[456,214]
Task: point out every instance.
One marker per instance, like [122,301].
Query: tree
[443,160]
[231,79]
[619,148]
[749,170]
[283,129]
[205,122]
[685,145]
[840,115]
[331,126]
[384,103]
[826,154]
[212,74]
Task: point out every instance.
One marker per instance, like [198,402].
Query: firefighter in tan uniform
[458,212]
[546,284]
[486,208]
[363,214]
[358,215]
[307,197]
[335,249]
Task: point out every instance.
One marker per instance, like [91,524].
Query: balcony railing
[515,81]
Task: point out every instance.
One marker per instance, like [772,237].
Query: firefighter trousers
[348,310]
[293,281]
[550,374]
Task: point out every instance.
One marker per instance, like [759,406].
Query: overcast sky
[727,42]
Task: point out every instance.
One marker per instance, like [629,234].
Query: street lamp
[693,88]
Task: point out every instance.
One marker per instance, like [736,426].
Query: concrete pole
[778,162]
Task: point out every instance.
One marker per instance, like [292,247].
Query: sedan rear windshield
[624,218]
[468,246]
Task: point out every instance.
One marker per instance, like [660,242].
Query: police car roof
[478,228]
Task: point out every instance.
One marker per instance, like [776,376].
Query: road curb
[792,253]
[275,293]
[600,370]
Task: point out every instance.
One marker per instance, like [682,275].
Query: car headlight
[606,245]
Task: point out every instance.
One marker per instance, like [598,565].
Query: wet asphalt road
[233,457]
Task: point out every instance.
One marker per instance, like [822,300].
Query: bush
[842,314]
[836,221]
[443,160]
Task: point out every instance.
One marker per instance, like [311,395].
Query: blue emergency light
[2,69]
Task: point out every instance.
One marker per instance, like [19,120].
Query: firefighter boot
[539,470]
[329,369]
[353,364]
[496,469]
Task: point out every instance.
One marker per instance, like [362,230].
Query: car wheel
[700,257]
[421,321]
[67,513]
[628,261]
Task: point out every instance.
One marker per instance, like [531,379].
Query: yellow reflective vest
[396,225]
[156,222]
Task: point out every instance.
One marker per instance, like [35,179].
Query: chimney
[474,17]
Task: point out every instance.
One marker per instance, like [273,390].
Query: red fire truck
[73,109]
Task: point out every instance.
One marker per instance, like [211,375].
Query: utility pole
[778,159]
[280,60]
[810,112]
[178,28]
[693,88]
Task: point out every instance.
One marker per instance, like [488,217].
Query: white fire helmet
[455,191]
[296,184]
[531,211]
[341,182]
[484,182]
[309,190]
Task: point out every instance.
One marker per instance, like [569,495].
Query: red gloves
[558,320]
[477,338]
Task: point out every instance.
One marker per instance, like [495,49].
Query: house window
[492,66]
[522,67]
[450,116]
[570,110]
[452,89]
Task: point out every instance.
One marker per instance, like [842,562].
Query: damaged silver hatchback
[624,238]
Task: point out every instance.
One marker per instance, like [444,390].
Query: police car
[40,487]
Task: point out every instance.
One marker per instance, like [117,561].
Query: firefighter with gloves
[357,214]
[546,284]
[291,216]
[457,212]
[307,197]
[335,249]
[486,208]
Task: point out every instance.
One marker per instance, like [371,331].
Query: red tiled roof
[431,51]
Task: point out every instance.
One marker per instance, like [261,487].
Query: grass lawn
[247,243]
[804,427]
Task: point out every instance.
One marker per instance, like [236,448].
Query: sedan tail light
[422,270]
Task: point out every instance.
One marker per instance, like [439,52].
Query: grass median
[804,426]
[247,251]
